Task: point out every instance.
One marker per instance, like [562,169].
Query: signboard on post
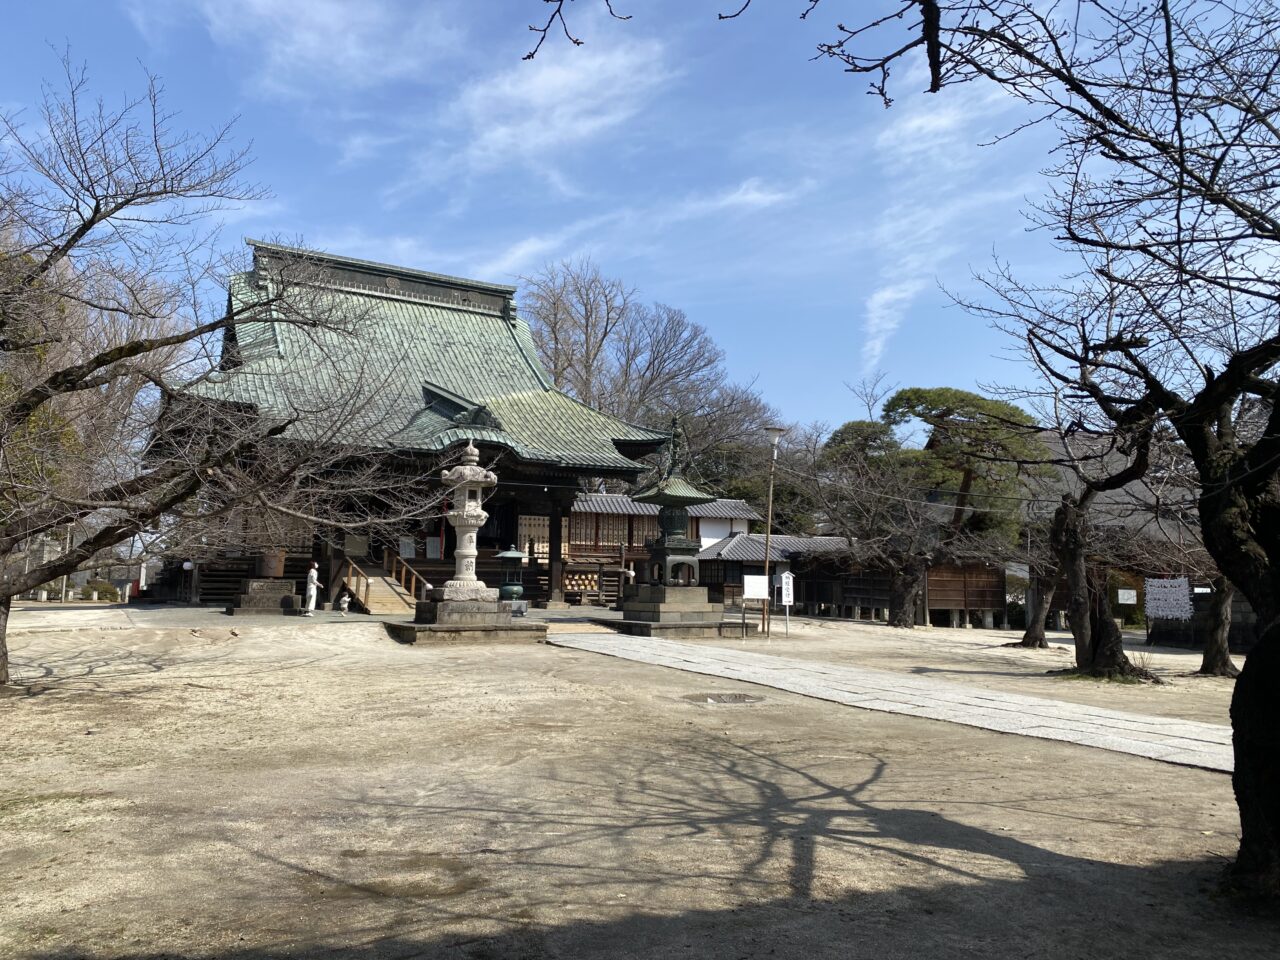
[787,581]
[1126,597]
[755,588]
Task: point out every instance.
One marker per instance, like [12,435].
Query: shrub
[106,591]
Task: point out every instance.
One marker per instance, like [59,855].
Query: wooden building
[434,362]
[606,535]
[831,580]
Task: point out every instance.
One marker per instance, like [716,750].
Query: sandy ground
[314,789]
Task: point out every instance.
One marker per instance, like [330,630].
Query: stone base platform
[442,633]
[463,613]
[675,612]
[687,630]
[271,596]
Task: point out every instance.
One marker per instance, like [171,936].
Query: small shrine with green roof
[673,556]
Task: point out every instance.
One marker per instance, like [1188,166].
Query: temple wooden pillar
[555,555]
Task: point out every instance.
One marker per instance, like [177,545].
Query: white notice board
[755,588]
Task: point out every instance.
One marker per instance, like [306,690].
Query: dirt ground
[317,790]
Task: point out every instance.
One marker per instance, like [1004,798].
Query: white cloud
[621,231]
[750,195]
[885,310]
[267,211]
[533,251]
[941,188]
[537,111]
[320,43]
[358,147]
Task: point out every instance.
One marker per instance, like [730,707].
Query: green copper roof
[424,362]
[671,489]
[672,492]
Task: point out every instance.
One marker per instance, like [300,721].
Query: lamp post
[774,434]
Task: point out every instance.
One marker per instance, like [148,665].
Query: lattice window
[645,528]
[538,529]
[613,530]
[582,528]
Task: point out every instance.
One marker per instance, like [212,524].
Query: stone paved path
[1185,742]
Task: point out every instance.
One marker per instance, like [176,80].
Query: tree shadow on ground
[725,849]
[105,665]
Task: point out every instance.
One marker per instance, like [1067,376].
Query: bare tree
[113,311]
[864,486]
[1164,183]
[576,314]
[641,363]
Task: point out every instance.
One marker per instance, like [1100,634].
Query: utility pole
[66,578]
[774,434]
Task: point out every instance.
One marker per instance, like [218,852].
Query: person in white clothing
[313,587]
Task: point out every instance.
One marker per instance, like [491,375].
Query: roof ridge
[384,268]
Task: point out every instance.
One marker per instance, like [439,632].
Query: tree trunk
[904,589]
[1255,724]
[1217,651]
[1099,645]
[1043,585]
[1107,656]
[5,605]
[1234,530]
[1067,536]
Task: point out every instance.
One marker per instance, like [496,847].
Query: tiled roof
[749,547]
[620,503]
[430,362]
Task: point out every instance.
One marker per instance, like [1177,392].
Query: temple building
[429,364]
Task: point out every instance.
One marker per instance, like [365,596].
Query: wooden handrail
[354,571]
[404,574]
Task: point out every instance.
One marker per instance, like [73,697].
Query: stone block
[463,612]
[266,587]
[465,590]
[659,593]
[672,616]
[676,630]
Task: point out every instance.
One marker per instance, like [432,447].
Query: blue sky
[712,165]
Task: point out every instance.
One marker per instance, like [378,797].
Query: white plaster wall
[711,529]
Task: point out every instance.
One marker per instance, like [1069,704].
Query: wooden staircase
[376,591]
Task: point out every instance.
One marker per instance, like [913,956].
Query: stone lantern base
[464,603]
[466,621]
[466,591]
[463,612]
[677,613]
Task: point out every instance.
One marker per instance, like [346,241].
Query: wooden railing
[352,573]
[405,575]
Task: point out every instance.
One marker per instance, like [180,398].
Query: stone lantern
[465,608]
[673,556]
[468,480]
[672,604]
